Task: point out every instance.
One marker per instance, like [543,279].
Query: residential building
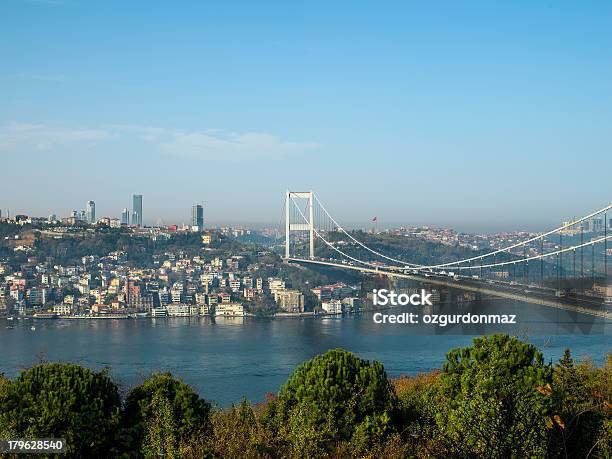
[229,309]
[332,307]
[289,300]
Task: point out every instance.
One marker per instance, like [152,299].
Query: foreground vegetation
[494,399]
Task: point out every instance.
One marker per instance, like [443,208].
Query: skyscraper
[90,212]
[197,217]
[137,209]
[125,217]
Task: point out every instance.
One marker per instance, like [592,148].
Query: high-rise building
[90,212]
[125,217]
[137,209]
[597,224]
[197,217]
[81,216]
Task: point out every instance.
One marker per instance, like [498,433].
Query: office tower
[137,209]
[597,224]
[197,217]
[125,217]
[90,212]
[52,218]
[81,216]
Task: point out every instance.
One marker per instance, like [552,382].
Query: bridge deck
[483,289]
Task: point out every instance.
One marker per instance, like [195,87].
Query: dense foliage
[63,401]
[497,395]
[334,397]
[496,398]
[161,414]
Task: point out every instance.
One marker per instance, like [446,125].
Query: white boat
[32,328]
[10,318]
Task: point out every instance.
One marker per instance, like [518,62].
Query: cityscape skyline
[228,103]
[196,220]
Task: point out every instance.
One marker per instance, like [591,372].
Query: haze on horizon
[475,116]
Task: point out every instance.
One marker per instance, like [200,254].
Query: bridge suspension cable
[412,265]
[535,257]
[329,243]
[523,243]
[456,264]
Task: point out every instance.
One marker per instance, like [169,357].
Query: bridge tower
[304,225]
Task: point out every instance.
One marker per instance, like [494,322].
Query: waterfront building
[229,309]
[62,309]
[159,312]
[332,307]
[178,310]
[289,300]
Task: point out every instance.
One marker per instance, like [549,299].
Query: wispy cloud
[217,144]
[35,77]
[16,137]
[199,144]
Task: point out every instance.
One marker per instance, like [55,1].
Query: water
[227,358]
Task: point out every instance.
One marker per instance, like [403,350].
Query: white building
[179,310]
[229,309]
[62,309]
[332,307]
[159,312]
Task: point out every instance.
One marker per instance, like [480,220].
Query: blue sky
[477,115]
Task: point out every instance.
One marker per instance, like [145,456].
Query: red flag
[375,219]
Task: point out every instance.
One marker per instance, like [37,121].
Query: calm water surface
[227,358]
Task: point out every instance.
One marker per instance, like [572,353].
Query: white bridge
[566,267]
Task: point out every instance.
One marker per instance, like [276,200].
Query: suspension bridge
[566,267]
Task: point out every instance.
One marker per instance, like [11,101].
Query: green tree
[162,410]
[236,432]
[581,421]
[331,398]
[63,401]
[496,399]
[160,438]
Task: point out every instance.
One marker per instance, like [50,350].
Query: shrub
[162,414]
[496,396]
[331,398]
[237,432]
[63,401]
[581,420]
